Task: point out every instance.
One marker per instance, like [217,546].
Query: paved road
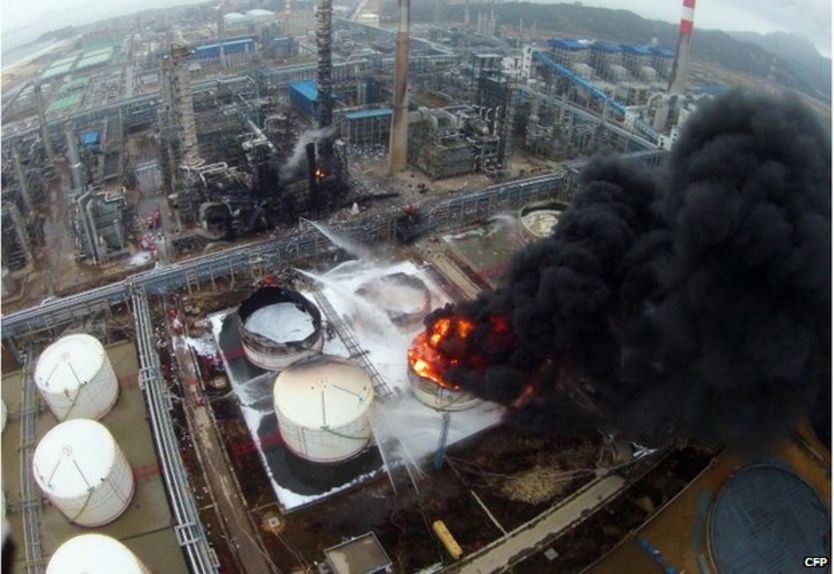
[244,540]
[451,271]
[496,556]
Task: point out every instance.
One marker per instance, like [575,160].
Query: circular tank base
[766,519]
[440,398]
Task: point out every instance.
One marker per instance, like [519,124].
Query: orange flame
[424,356]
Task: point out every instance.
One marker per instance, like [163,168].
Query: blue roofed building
[662,59]
[605,56]
[235,51]
[90,139]
[637,59]
[567,51]
[304,95]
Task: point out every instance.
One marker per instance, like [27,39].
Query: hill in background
[792,61]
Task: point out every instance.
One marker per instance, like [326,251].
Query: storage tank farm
[83,472]
[322,405]
[76,379]
[94,554]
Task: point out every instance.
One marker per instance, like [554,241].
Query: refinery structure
[223,228]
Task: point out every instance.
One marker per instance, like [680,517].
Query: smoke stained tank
[425,371]
[76,379]
[94,554]
[322,407]
[279,327]
[539,219]
[767,519]
[83,472]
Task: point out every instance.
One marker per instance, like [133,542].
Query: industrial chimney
[398,143]
[677,82]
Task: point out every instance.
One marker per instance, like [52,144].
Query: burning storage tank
[404,298]
[539,219]
[83,472]
[279,327]
[76,379]
[427,366]
[322,405]
[94,554]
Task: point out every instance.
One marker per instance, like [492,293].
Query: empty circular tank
[322,407]
[76,379]
[94,554]
[767,519]
[539,219]
[404,298]
[83,472]
[279,327]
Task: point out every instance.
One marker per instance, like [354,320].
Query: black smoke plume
[692,301]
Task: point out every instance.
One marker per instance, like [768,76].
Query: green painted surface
[54,71]
[93,60]
[64,61]
[66,102]
[75,84]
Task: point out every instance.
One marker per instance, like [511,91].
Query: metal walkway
[454,213]
[381,388]
[187,526]
[30,499]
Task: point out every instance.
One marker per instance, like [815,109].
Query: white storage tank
[76,379]
[4,415]
[94,554]
[322,406]
[83,472]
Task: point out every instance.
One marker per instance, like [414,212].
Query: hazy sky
[810,18]
[22,19]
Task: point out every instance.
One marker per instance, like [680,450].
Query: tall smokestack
[680,69]
[221,30]
[398,143]
[465,25]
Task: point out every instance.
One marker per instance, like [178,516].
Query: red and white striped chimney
[677,82]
